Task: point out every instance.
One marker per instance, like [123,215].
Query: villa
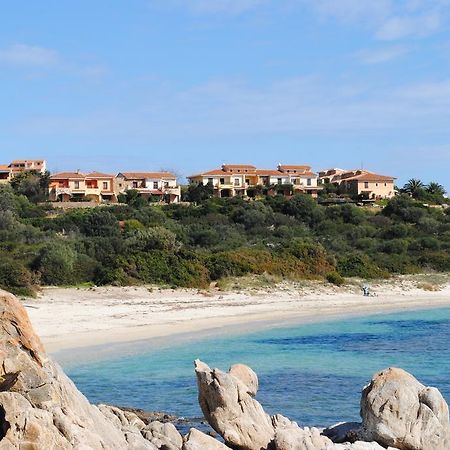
[360,183]
[161,186]
[75,186]
[9,171]
[245,180]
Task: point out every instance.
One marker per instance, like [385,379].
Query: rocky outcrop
[231,410]
[397,410]
[41,409]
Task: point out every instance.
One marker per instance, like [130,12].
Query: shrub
[335,278]
[359,266]
[16,278]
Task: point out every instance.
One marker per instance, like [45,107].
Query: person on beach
[366,291]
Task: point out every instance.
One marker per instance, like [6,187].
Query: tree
[199,192]
[32,184]
[414,187]
[435,189]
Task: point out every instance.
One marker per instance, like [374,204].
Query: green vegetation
[214,239]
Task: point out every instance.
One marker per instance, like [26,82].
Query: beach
[80,318]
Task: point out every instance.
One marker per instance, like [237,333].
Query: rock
[247,376]
[41,409]
[343,432]
[196,440]
[295,438]
[231,411]
[163,435]
[399,411]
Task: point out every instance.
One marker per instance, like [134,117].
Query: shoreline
[109,321]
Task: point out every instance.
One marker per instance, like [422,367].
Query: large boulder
[399,411]
[41,409]
[231,410]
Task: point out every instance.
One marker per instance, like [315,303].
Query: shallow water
[311,373]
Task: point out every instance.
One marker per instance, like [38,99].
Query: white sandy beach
[80,318]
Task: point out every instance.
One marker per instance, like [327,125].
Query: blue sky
[188,85]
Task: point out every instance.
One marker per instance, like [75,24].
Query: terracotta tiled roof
[238,166]
[304,168]
[99,175]
[270,172]
[144,175]
[209,173]
[66,175]
[365,176]
[4,168]
[305,174]
[21,161]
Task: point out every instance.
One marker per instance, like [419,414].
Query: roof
[269,172]
[66,175]
[238,166]
[20,161]
[99,175]
[361,175]
[144,175]
[4,168]
[209,173]
[283,167]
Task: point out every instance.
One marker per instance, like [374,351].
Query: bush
[359,266]
[16,278]
[335,278]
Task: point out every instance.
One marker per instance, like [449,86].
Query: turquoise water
[311,373]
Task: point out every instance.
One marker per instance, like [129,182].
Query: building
[242,180]
[159,186]
[5,174]
[27,165]
[360,183]
[75,186]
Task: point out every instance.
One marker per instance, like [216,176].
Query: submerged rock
[397,410]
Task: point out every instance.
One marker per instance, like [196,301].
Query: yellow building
[360,183]
[241,180]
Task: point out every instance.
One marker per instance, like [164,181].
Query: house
[5,174]
[330,175]
[361,183]
[26,165]
[75,186]
[242,180]
[160,186]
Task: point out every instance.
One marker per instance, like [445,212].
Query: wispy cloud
[301,106]
[410,26]
[381,55]
[29,56]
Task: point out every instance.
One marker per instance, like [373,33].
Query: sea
[312,373]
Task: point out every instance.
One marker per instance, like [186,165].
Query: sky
[187,85]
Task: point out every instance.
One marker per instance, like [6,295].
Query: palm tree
[436,188]
[413,187]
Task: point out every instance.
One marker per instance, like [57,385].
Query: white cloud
[410,26]
[381,55]
[28,55]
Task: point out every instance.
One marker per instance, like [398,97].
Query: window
[237,182]
[135,184]
[210,180]
[309,182]
[280,181]
[166,184]
[385,184]
[155,185]
[105,185]
[222,181]
[366,184]
[77,185]
[376,184]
